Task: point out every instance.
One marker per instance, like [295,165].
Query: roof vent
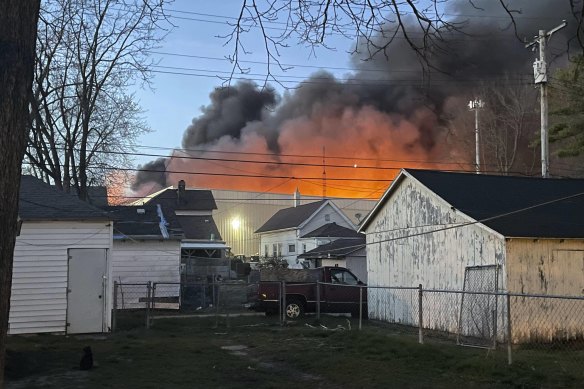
[141,211]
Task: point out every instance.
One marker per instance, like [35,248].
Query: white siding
[137,262]
[39,282]
[435,260]
[284,238]
[319,220]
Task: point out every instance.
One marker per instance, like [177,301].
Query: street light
[235,223]
[475,105]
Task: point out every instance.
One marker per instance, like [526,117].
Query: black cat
[86,362]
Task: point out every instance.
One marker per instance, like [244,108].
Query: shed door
[86,290]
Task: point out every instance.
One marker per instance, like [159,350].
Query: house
[281,235]
[452,230]
[62,272]
[146,247]
[203,252]
[345,252]
[240,213]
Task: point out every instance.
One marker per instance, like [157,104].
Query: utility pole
[323,174]
[475,105]
[540,76]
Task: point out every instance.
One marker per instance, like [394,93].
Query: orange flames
[363,140]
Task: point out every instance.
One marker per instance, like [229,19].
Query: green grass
[188,353]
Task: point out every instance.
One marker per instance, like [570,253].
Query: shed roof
[332,230]
[290,217]
[189,200]
[512,206]
[40,201]
[337,248]
[141,222]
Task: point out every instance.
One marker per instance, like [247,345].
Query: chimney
[296,198]
[181,191]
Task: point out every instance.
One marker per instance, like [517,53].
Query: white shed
[146,248]
[516,234]
[62,265]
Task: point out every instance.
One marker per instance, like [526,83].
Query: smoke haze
[388,109]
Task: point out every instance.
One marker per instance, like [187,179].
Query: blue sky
[176,99]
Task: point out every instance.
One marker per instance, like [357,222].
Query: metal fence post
[153,295]
[420,316]
[317,300]
[148,302]
[115,307]
[284,302]
[360,307]
[509,332]
[216,301]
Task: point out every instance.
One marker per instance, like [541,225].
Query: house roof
[140,222]
[518,206]
[190,199]
[337,248]
[40,201]
[290,217]
[332,230]
[199,227]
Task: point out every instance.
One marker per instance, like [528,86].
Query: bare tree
[18,21]
[509,126]
[82,117]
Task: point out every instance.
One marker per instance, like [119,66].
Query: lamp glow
[235,223]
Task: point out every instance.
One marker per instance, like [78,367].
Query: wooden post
[284,302]
[420,316]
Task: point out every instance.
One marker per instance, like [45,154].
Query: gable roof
[199,227]
[518,206]
[337,248]
[332,230]
[190,199]
[290,217]
[140,222]
[40,201]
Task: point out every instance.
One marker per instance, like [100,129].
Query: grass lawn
[256,353]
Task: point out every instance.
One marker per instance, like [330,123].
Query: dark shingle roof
[332,230]
[40,201]
[129,222]
[337,248]
[290,217]
[482,196]
[199,227]
[191,200]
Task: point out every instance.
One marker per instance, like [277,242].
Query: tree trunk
[18,27]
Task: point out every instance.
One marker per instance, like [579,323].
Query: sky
[172,100]
[377,112]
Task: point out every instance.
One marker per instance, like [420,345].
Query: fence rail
[513,322]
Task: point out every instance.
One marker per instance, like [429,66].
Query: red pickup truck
[339,291]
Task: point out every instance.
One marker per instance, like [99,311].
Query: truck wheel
[294,309]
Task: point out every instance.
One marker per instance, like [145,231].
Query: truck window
[342,276]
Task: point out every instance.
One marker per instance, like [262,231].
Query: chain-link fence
[518,324]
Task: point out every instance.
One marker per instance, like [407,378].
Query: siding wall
[137,262]
[546,267]
[285,238]
[435,260]
[39,282]
[319,220]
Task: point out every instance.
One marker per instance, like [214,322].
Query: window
[266,250]
[303,247]
[291,248]
[327,217]
[279,249]
[341,276]
[274,250]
